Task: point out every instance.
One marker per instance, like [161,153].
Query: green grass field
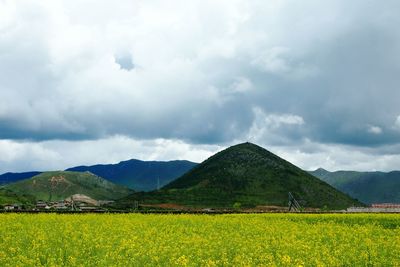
[199,240]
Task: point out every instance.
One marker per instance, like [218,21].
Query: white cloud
[72,86]
[277,120]
[276,128]
[376,130]
[274,60]
[241,85]
[274,121]
[59,155]
[311,155]
[397,123]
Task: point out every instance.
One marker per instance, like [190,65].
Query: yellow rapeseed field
[199,240]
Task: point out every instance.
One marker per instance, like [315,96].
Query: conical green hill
[250,175]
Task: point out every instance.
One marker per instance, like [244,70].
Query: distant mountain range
[140,175]
[56,186]
[135,174]
[368,187]
[246,174]
[11,177]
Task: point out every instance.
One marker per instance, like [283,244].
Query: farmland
[199,240]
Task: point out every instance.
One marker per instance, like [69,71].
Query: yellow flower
[286,260]
[182,260]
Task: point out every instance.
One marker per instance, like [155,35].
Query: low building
[105,202]
[80,198]
[12,207]
[42,205]
[8,207]
[386,205]
[88,208]
[60,205]
[377,209]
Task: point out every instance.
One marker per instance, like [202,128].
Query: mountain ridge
[368,187]
[136,174]
[139,175]
[11,177]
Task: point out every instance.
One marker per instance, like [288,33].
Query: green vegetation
[247,174]
[55,186]
[10,197]
[368,187]
[237,205]
[199,240]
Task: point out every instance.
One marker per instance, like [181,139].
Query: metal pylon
[293,204]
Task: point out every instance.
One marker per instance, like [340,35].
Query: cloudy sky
[89,81]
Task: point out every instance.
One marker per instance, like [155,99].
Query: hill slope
[53,186]
[368,187]
[250,175]
[140,175]
[11,177]
[10,197]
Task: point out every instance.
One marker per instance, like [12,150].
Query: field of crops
[199,240]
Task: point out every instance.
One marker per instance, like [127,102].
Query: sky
[93,81]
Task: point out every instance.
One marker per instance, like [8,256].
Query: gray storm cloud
[278,73]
